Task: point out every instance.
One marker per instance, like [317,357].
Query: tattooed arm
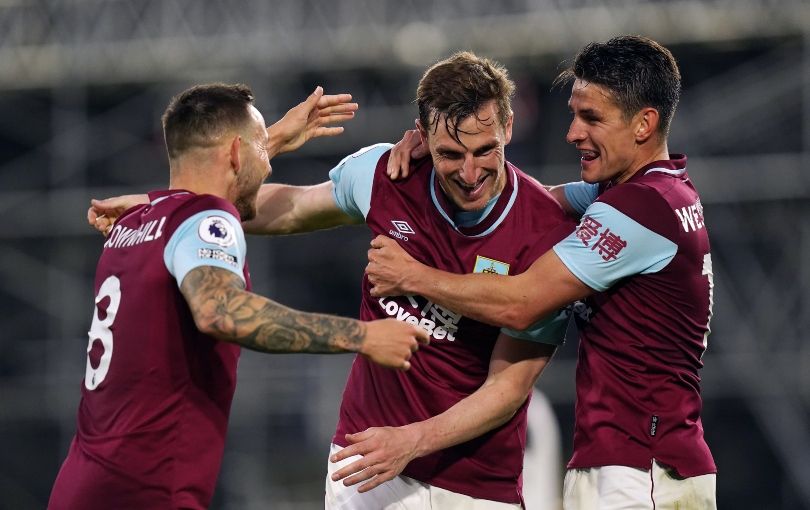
[222,308]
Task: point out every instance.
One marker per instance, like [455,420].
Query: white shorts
[626,488]
[400,493]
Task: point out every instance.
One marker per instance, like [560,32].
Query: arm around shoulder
[285,209]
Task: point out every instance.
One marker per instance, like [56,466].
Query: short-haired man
[173,306]
[640,256]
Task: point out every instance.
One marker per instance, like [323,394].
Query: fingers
[380,241]
[339,109]
[422,336]
[316,97]
[357,471]
[333,99]
[328,131]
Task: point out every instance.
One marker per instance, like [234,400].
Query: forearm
[283,209]
[232,314]
[493,299]
[515,302]
[489,407]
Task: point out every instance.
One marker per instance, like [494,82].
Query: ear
[236,162]
[645,124]
[422,132]
[507,129]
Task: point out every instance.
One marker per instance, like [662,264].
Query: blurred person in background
[640,256]
[451,432]
[173,307]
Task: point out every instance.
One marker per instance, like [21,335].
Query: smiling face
[607,141]
[471,169]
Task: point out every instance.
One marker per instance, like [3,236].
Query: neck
[658,153]
[200,176]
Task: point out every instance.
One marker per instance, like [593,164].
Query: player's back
[157,392]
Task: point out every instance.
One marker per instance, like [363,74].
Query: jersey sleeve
[608,245]
[207,238]
[353,178]
[549,330]
[580,195]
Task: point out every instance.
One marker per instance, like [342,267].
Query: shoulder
[543,203]
[643,203]
[182,206]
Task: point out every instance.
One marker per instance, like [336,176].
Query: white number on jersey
[100,331]
[707,271]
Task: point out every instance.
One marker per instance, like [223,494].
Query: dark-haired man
[640,256]
[173,306]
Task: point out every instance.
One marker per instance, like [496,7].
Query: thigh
[401,493]
[672,492]
[607,488]
[449,500]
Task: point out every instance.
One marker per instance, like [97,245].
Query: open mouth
[471,190]
[588,155]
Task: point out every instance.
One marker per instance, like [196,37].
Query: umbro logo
[403,227]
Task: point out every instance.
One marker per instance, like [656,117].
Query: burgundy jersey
[157,392]
[643,245]
[524,222]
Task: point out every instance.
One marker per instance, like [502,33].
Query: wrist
[275,141]
[419,439]
[413,281]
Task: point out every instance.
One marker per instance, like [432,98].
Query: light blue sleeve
[209,238]
[607,246]
[549,330]
[353,178]
[580,195]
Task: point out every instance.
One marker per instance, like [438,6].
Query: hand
[390,268]
[391,343]
[385,450]
[310,120]
[405,150]
[102,213]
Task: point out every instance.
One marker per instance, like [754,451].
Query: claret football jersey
[644,247]
[156,392]
[513,230]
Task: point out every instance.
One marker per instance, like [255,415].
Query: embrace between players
[484,265]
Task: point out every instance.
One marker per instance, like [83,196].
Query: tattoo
[224,309]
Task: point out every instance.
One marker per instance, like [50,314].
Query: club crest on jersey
[490,266]
[217,230]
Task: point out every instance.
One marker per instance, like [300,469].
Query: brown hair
[458,86]
[198,116]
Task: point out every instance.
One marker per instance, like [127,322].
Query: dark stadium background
[82,87]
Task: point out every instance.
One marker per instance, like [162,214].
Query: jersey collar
[492,218]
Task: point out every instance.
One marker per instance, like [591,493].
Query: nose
[469,172]
[576,133]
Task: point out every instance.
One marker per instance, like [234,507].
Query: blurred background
[83,84]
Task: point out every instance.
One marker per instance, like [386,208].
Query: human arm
[511,301]
[222,308]
[344,199]
[309,119]
[514,367]
[280,209]
[284,209]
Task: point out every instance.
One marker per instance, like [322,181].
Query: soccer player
[451,433]
[173,307]
[640,255]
